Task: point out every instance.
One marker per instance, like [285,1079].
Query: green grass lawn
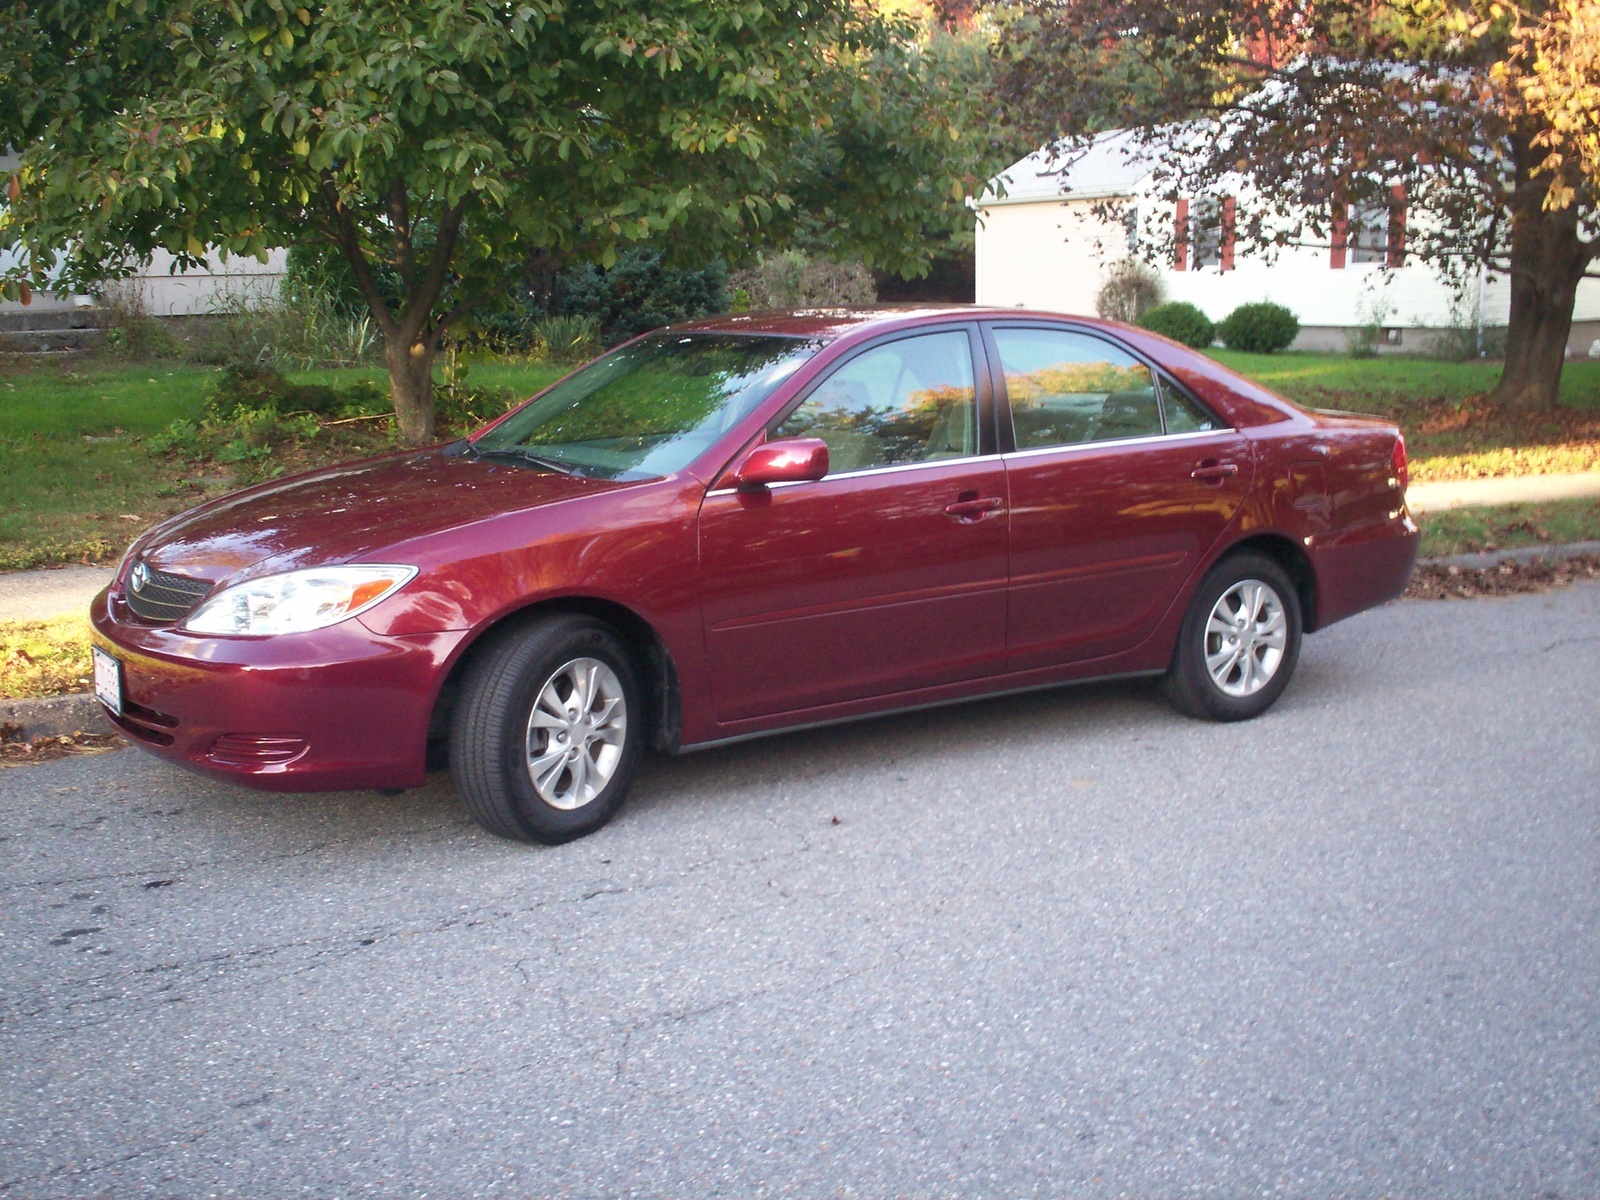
[1377,384]
[78,481]
[1499,527]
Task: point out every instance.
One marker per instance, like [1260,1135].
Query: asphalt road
[1068,945]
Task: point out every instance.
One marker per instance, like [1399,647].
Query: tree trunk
[411,384]
[1548,260]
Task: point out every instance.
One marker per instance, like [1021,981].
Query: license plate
[108,680]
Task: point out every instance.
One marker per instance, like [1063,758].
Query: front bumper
[333,709]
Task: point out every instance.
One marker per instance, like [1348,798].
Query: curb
[56,716]
[1484,559]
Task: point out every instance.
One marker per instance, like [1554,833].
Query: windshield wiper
[520,454]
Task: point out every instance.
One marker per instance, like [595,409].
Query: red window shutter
[1397,226]
[1341,235]
[1229,232]
[1180,237]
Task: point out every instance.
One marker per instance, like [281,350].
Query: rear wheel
[547,734]
[1239,643]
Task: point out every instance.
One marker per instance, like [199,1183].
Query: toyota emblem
[140,577]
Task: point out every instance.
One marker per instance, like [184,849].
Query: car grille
[161,597]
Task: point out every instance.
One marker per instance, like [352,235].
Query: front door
[887,575]
[1116,489]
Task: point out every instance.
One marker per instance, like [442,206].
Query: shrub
[461,407]
[1182,322]
[638,293]
[793,279]
[128,331]
[1260,328]
[1132,288]
[244,439]
[309,320]
[251,386]
[568,338]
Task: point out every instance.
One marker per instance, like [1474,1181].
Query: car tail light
[1399,462]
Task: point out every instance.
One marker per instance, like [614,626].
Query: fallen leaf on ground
[16,751]
[1436,581]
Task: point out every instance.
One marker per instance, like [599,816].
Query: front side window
[911,400]
[647,409]
[1068,388]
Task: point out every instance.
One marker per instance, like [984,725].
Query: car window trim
[1145,439]
[1005,423]
[982,385]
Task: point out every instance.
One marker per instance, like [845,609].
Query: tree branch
[400,219]
[350,243]
[420,302]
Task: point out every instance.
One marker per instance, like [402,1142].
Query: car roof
[829,324]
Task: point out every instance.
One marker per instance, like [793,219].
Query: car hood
[349,512]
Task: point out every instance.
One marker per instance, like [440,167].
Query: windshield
[650,408]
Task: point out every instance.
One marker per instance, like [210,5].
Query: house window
[1367,235]
[1209,232]
[1370,233]
[1205,232]
[1130,227]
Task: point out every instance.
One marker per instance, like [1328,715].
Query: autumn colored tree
[1481,114]
[447,148]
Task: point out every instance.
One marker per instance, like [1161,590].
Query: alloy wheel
[576,733]
[1246,635]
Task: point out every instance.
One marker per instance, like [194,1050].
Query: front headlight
[297,601]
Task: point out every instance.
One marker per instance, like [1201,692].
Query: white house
[1055,223]
[167,292]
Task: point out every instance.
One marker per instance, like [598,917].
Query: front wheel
[547,732]
[1239,643]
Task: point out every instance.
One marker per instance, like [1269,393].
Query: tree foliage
[1476,112]
[455,145]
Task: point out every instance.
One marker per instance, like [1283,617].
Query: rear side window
[911,400]
[1184,413]
[1068,388]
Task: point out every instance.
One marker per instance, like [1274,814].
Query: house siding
[1053,254]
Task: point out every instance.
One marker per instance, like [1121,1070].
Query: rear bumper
[1364,567]
[338,708]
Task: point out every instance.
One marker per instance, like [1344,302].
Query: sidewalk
[40,595]
[1516,489]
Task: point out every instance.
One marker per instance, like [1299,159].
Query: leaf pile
[1438,581]
[1474,439]
[17,751]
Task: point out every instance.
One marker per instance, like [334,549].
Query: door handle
[974,509]
[1214,472]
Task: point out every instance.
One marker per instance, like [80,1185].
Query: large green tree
[449,147]
[1475,111]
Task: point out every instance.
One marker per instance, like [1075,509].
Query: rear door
[1117,488]
[887,575]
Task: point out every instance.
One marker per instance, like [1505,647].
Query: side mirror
[792,460]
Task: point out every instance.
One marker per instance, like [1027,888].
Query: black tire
[1189,685]
[491,727]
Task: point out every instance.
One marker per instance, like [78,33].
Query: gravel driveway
[1066,945]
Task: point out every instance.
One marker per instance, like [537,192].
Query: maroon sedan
[748,524]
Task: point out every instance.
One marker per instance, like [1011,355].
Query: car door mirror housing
[792,460]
